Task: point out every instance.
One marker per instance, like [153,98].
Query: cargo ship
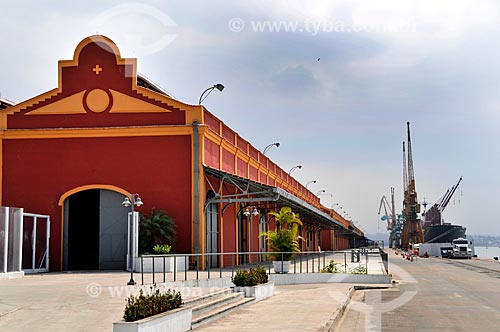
[444,233]
[435,229]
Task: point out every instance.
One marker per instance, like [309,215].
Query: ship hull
[443,233]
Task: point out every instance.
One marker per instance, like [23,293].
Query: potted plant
[283,242]
[154,311]
[158,228]
[253,283]
[155,232]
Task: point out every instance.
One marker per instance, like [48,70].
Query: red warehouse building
[73,153]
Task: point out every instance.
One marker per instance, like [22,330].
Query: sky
[333,81]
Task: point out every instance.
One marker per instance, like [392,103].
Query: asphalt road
[431,295]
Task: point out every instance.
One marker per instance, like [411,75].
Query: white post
[129,251]
[33,244]
[47,244]
[6,239]
[136,234]
[20,240]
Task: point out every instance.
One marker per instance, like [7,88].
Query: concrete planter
[259,292]
[177,320]
[180,264]
[281,266]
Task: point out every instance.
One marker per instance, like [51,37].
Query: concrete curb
[335,318]
[11,275]
[320,278]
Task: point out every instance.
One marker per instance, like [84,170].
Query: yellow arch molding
[74,191]
[91,186]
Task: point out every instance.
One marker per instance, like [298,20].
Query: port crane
[393,221]
[412,227]
[433,216]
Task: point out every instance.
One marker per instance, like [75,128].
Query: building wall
[99,129]
[37,172]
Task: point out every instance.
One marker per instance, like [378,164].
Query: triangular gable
[98,88]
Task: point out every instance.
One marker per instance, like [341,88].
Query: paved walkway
[293,308]
[92,301]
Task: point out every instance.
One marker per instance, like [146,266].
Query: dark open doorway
[95,231]
[83,230]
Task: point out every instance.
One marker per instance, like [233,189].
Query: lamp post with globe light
[132,201]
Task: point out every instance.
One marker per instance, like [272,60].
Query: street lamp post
[250,212]
[294,168]
[217,86]
[132,201]
[267,148]
[309,182]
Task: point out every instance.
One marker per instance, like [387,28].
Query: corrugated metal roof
[273,194]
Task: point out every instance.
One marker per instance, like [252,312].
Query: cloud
[343,117]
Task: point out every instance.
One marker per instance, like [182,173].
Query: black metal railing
[183,267]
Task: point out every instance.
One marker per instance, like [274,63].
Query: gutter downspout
[196,184]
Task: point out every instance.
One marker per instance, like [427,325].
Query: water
[487,252]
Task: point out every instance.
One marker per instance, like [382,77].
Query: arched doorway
[95,231]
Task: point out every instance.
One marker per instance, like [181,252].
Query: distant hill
[379,237]
[485,240]
[479,240]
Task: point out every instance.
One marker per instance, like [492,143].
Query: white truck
[462,248]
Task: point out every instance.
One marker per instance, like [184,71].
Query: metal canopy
[253,192]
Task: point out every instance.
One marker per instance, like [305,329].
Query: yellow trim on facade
[97,132]
[165,99]
[243,156]
[192,194]
[237,228]
[91,186]
[196,110]
[69,105]
[123,103]
[195,114]
[1,169]
[213,137]
[251,162]
[30,102]
[254,163]
[220,156]
[229,147]
[74,191]
[221,232]
[201,210]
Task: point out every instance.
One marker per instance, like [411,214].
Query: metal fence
[183,267]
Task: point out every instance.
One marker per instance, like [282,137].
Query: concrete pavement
[434,295]
[93,301]
[311,307]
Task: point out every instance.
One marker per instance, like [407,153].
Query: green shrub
[255,276]
[161,249]
[242,279]
[145,305]
[360,269]
[285,239]
[157,228]
[332,267]
[259,274]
